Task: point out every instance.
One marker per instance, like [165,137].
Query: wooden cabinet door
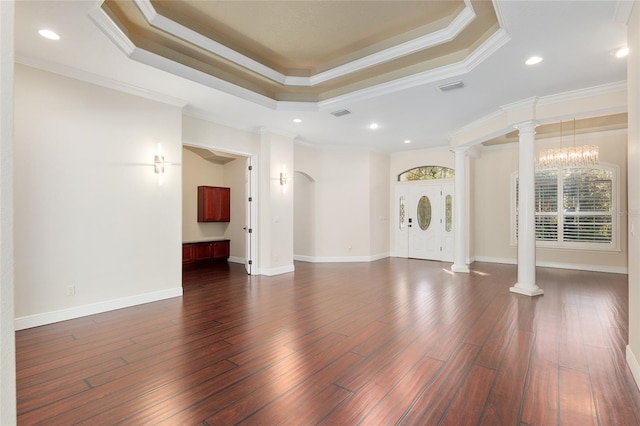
[187,253]
[202,251]
[214,204]
[221,249]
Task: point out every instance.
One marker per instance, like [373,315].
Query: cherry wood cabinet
[205,251]
[214,204]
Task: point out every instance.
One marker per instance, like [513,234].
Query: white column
[459,208]
[526,212]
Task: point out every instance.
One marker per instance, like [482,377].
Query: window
[426,173]
[448,215]
[575,208]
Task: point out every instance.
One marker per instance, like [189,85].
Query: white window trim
[613,246]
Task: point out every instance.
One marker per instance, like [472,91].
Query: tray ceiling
[303,51]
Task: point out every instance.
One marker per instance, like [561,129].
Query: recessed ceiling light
[533,60]
[373,126]
[622,52]
[49,34]
[297,120]
[407,141]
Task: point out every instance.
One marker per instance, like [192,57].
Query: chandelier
[574,156]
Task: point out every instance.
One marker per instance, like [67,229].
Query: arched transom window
[426,173]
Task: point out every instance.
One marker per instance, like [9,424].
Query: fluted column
[459,208]
[526,212]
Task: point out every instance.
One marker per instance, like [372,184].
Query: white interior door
[248,263]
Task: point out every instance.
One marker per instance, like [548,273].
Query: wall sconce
[283,178]
[159,164]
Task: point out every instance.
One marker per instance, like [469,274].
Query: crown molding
[459,23]
[98,80]
[482,52]
[111,30]
[497,123]
[207,116]
[603,89]
[444,35]
[197,39]
[162,63]
[262,130]
[106,24]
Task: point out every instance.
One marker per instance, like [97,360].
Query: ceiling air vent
[341,112]
[450,86]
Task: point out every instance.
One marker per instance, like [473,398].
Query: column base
[527,291]
[460,268]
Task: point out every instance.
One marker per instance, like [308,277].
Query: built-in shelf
[205,251]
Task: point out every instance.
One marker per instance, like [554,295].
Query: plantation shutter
[547,205]
[587,206]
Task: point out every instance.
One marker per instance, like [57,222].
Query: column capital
[460,149]
[527,126]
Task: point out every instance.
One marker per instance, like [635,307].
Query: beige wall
[633,75]
[89,211]
[7,334]
[275,218]
[342,200]
[379,193]
[197,171]
[492,209]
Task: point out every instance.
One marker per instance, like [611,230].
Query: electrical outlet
[71,290]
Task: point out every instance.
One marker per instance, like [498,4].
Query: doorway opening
[207,166]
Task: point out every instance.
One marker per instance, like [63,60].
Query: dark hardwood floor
[392,341]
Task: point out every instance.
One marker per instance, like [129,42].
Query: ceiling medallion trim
[459,23]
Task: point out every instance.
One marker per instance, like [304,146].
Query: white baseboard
[235,259]
[557,265]
[94,308]
[276,271]
[632,361]
[340,259]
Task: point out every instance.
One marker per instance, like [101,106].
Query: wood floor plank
[612,403]
[371,391]
[571,342]
[305,396]
[576,402]
[468,404]
[396,402]
[505,401]
[541,392]
[431,403]
[392,341]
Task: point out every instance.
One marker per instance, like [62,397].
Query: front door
[425,221]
